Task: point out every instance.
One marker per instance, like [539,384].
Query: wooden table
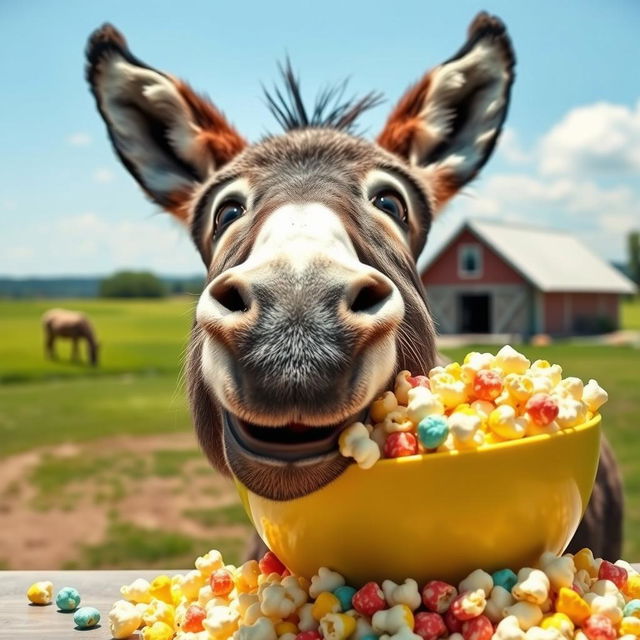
[99,589]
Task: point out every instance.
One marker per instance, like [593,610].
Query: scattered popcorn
[124,619]
[67,599]
[40,592]
[487,400]
[86,617]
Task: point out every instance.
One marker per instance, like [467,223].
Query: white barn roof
[551,260]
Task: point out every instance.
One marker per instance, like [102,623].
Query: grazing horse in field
[310,240]
[61,323]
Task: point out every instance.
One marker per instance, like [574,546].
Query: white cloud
[596,139]
[79,139]
[92,243]
[103,175]
[510,148]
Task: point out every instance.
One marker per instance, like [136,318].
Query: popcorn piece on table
[67,599]
[355,442]
[124,619]
[137,591]
[87,617]
[40,592]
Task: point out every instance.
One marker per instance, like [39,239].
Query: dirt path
[45,526]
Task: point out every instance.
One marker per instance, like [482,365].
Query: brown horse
[310,240]
[61,323]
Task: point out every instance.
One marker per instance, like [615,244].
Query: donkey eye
[391,203]
[228,212]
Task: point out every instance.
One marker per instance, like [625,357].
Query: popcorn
[270,563]
[498,601]
[124,619]
[384,405]
[337,626]
[406,593]
[392,620]
[137,591]
[40,592]
[67,599]
[561,572]
[193,619]
[504,423]
[369,599]
[209,562]
[477,579]
[355,442]
[594,396]
[437,596]
[158,611]
[527,614]
[400,444]
[325,580]
[262,629]
[469,604]
[571,604]
[221,622]
[532,586]
[509,629]
[479,628]
[325,603]
[465,426]
[510,361]
[88,617]
[483,402]
[452,392]
[542,603]
[487,384]
[422,402]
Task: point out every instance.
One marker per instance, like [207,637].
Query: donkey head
[310,240]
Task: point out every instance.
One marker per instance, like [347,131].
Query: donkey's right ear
[167,136]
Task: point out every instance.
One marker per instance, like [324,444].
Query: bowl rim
[496,446]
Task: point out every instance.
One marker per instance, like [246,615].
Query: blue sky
[570,157]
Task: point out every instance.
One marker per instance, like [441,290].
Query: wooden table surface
[99,589]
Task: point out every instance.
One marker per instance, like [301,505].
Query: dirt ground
[46,526]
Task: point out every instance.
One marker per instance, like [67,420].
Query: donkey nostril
[370,296]
[229,296]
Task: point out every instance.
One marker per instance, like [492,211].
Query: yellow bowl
[440,515]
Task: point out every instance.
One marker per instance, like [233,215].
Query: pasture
[99,466]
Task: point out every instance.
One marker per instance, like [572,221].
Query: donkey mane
[330,110]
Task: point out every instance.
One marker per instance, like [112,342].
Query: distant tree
[633,243]
[133,284]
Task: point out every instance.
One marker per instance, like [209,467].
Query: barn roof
[551,260]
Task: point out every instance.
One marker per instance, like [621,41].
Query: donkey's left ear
[448,123]
[167,136]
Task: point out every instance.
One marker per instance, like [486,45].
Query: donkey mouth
[294,442]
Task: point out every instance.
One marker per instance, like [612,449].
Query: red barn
[493,277]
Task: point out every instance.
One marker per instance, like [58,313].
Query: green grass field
[135,392]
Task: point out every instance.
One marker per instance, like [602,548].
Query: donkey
[310,241]
[61,323]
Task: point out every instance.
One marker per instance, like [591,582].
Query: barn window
[469,261]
